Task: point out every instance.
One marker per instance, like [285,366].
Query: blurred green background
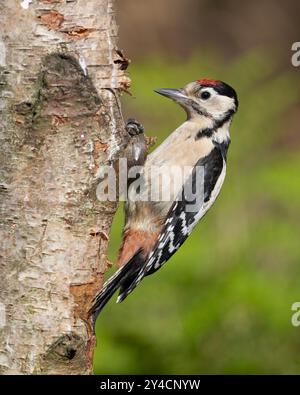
[222,304]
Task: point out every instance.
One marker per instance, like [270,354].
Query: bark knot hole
[64,348]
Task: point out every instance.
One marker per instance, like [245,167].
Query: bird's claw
[133,127]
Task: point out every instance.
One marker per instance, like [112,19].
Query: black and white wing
[206,179]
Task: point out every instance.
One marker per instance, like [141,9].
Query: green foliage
[222,304]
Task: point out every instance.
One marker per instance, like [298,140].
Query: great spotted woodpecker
[154,230]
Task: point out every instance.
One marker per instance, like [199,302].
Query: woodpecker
[154,230]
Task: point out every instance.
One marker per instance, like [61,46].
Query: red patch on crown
[207,81]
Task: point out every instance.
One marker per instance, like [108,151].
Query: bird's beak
[177,95]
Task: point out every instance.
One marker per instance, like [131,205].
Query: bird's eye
[205,95]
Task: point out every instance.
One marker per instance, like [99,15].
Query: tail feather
[124,274]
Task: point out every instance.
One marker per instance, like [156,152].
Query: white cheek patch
[219,105]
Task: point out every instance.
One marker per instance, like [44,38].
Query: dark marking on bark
[23,108]
[66,87]
[64,352]
[64,94]
[121,60]
[70,352]
[95,232]
[3,78]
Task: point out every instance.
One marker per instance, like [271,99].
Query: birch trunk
[59,122]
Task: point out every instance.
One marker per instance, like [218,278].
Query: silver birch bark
[60,121]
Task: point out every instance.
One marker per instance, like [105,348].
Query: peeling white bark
[25,4]
[60,120]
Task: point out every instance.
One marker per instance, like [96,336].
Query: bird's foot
[133,127]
